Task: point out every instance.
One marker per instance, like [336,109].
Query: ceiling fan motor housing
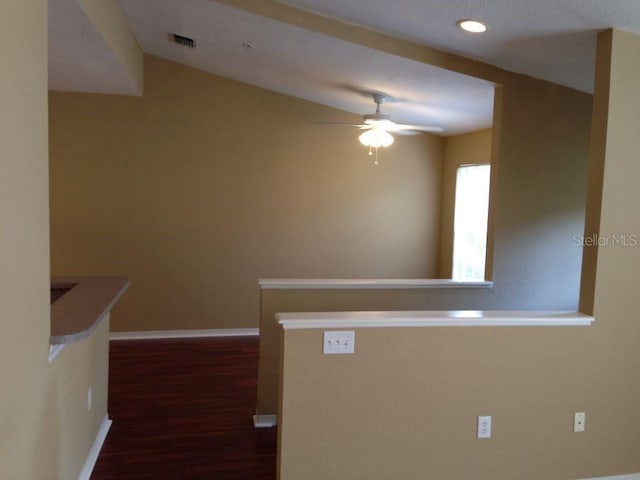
[376,118]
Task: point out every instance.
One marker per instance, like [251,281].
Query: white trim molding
[632,476]
[433,318]
[159,334]
[365,283]
[55,350]
[265,421]
[92,456]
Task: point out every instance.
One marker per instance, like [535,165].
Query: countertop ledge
[76,314]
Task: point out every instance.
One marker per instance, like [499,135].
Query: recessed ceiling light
[472,26]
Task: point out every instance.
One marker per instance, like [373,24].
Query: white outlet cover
[339,342]
[484,427]
[579,419]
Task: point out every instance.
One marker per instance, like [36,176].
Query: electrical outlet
[339,342]
[578,421]
[484,427]
[89,398]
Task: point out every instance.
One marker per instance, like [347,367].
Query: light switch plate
[339,342]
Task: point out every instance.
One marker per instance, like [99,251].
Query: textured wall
[414,395]
[540,150]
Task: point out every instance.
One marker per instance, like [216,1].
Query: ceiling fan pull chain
[371,148]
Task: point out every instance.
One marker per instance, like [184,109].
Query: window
[470,222]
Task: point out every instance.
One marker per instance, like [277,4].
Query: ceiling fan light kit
[376,137]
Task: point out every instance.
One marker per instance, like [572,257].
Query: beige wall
[405,405]
[472,148]
[596,170]
[204,185]
[540,145]
[617,275]
[24,242]
[80,366]
[414,395]
[45,428]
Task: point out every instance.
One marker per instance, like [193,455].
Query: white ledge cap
[363,283]
[433,318]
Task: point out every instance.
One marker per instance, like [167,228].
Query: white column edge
[632,476]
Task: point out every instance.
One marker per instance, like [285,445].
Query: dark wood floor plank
[182,409]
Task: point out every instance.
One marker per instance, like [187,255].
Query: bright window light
[470,222]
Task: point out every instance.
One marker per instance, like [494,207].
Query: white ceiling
[549,39]
[308,65]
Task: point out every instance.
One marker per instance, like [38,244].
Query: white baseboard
[265,421]
[159,334]
[92,457]
[259,421]
[632,476]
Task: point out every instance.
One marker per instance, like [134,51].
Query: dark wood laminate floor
[182,409]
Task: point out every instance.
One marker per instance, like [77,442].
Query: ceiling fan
[377,127]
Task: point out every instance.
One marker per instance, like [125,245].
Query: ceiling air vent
[186,41]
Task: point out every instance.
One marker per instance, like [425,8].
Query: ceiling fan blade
[406,132]
[340,124]
[420,128]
